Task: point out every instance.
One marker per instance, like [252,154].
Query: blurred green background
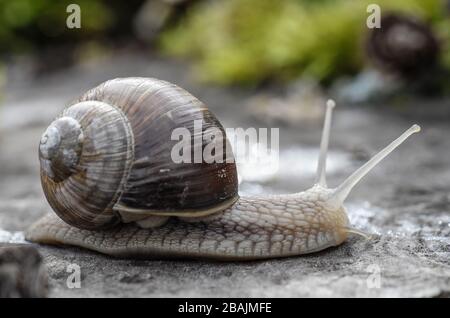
[232,42]
[248,41]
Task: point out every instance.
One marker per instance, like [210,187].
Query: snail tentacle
[322,162]
[342,192]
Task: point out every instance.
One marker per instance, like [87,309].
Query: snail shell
[107,158]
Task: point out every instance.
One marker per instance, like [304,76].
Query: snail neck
[60,148]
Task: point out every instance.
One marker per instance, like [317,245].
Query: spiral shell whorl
[60,148]
[85,159]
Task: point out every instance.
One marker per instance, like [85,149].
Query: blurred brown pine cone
[403,45]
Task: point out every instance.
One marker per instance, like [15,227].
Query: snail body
[253,228]
[106,171]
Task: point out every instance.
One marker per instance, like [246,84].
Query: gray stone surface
[405,201]
[22,272]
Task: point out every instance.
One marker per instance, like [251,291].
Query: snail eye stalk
[342,192]
[322,163]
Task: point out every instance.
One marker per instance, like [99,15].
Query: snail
[107,172]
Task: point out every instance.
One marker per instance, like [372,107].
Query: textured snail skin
[253,228]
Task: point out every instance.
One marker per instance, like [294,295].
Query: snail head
[335,197]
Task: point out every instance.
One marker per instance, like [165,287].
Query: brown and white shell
[107,158]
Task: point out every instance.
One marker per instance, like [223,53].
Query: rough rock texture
[22,272]
[409,197]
